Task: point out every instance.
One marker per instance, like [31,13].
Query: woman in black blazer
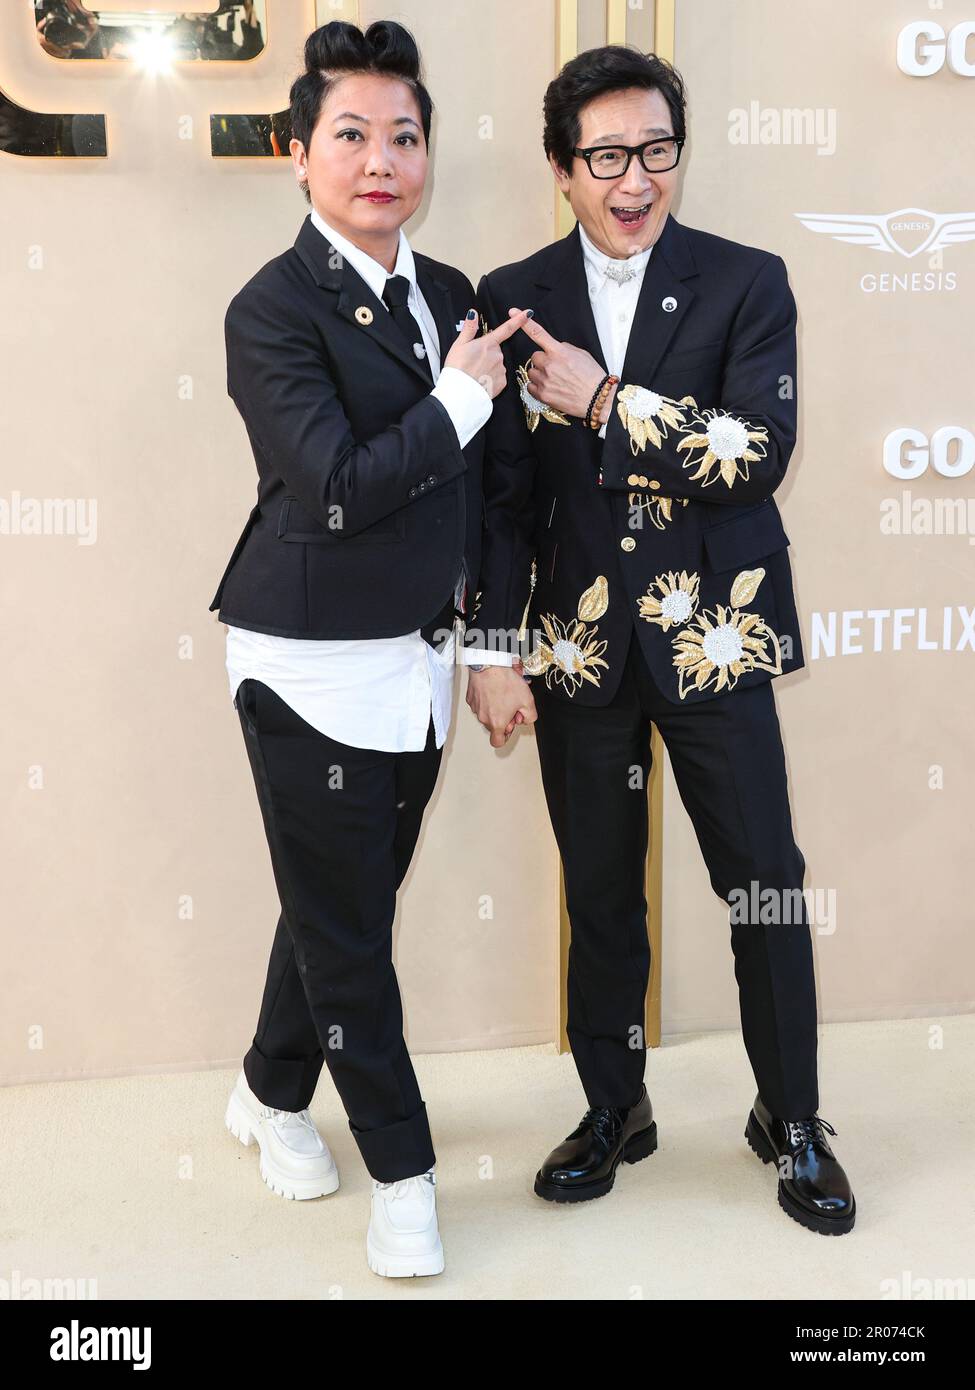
[340,598]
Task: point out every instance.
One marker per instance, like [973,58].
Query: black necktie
[395,295]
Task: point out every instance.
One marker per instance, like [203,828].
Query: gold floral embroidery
[572,652]
[722,645]
[729,446]
[658,509]
[534,408]
[647,415]
[674,602]
[719,645]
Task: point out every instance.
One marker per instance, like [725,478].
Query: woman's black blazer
[367,507]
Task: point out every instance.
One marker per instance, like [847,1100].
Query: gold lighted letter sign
[150,39]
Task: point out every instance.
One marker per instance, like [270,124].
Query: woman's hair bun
[384,47]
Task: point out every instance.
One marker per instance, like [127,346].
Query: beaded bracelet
[595,396]
[596,404]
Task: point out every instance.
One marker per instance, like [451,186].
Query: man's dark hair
[337,49]
[595,72]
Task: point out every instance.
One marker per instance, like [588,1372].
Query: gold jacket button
[653,483]
[628,543]
[642,480]
[634,480]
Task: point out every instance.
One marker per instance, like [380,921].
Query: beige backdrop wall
[138,898]
[880,744]
[138,901]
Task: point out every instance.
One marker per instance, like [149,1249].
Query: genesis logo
[909,231]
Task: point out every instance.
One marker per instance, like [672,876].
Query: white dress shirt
[613,308]
[376,692]
[613,304]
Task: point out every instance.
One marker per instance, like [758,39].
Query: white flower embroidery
[728,445]
[674,601]
[646,415]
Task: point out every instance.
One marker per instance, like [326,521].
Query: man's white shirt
[375,692]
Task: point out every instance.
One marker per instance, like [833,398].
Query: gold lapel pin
[363,314]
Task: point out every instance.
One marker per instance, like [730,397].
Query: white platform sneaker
[295,1160]
[403,1237]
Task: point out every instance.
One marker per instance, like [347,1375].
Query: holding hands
[500,698]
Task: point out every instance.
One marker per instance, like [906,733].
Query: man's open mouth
[630,217]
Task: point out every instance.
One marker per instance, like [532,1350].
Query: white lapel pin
[363,314]
[669,304]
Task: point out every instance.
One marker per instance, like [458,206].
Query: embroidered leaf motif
[594,601]
[745,587]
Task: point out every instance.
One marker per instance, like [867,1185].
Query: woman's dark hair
[592,74]
[337,49]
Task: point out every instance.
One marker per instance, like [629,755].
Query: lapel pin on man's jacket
[363,315]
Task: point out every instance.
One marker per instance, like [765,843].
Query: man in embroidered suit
[630,527]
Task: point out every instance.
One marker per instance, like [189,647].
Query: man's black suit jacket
[366,505]
[668,524]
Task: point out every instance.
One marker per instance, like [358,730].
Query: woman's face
[367,160]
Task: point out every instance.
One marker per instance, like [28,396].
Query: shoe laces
[809,1130]
[604,1119]
[281,1117]
[401,1186]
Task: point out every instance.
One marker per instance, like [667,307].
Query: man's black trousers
[729,766]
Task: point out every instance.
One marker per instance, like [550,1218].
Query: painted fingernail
[472,313]
[530,313]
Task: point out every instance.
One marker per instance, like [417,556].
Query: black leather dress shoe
[817,1194]
[584,1165]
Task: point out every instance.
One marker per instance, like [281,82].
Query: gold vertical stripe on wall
[616,21]
[566,29]
[665,29]
[346,10]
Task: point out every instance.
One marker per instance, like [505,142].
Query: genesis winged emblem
[928,231]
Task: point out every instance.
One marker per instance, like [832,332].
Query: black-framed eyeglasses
[612,161]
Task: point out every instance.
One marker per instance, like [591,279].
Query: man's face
[605,207]
[367,159]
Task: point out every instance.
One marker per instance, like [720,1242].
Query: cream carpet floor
[135,1183]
